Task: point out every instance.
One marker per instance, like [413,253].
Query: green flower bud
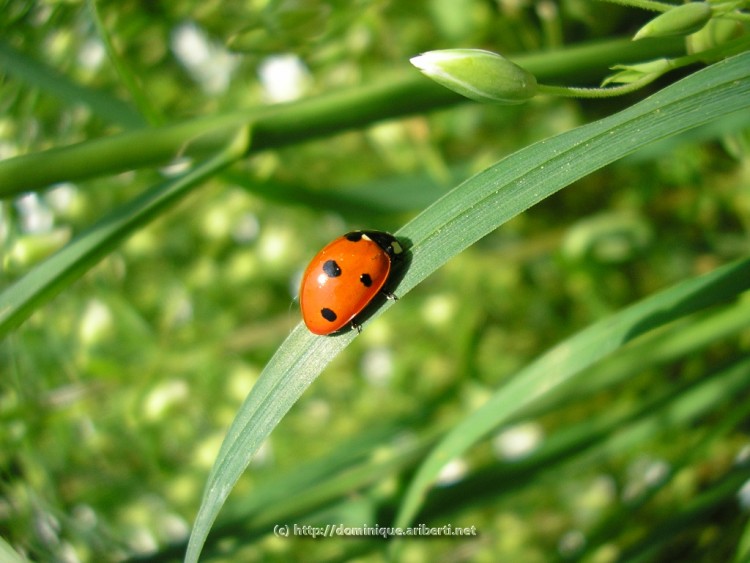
[480,75]
[717,32]
[631,73]
[680,20]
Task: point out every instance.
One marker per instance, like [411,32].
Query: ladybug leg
[356,326]
[390,296]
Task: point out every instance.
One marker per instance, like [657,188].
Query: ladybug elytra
[344,277]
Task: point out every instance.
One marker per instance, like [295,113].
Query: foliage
[564,373]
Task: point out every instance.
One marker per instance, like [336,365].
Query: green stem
[737,16]
[730,10]
[709,56]
[611,92]
[52,275]
[643,4]
[390,96]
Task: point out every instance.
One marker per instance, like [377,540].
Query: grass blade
[8,554]
[569,358]
[45,280]
[393,95]
[459,219]
[37,74]
[127,77]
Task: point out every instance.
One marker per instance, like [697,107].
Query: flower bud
[631,73]
[480,75]
[680,20]
[717,32]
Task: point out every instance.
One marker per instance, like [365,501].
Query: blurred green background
[115,396]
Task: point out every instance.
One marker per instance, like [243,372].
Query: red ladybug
[344,277]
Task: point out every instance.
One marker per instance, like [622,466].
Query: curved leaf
[48,278]
[389,96]
[569,358]
[460,218]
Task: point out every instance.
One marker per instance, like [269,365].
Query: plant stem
[388,96]
[49,277]
[709,56]
[643,4]
[611,92]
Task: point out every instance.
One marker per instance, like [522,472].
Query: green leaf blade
[22,298]
[452,224]
[49,80]
[569,358]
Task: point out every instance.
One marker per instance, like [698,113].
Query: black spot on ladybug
[331,269]
[365,280]
[355,236]
[328,314]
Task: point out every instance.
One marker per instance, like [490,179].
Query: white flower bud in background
[479,75]
[680,20]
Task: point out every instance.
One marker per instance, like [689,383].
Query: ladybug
[344,277]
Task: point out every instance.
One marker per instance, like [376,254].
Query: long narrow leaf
[459,219]
[390,96]
[39,75]
[8,554]
[127,77]
[571,357]
[45,280]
